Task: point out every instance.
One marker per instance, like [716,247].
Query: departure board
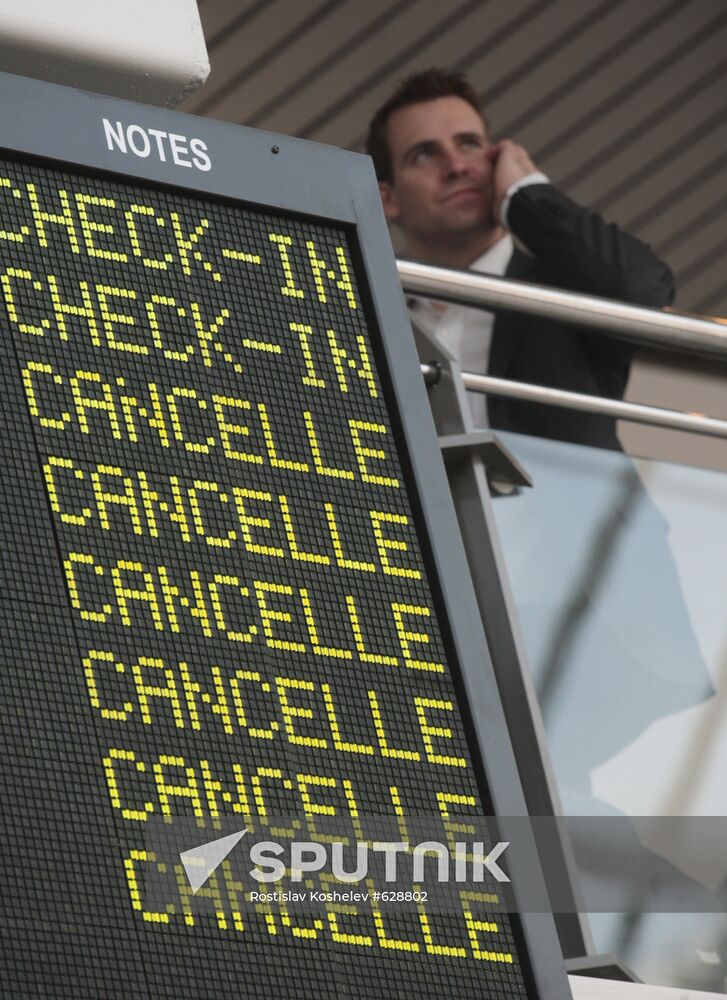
[220,597]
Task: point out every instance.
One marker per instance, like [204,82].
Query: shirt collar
[493,261]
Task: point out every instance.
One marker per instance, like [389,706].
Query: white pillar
[145,50]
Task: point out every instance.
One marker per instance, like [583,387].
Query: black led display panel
[218,594]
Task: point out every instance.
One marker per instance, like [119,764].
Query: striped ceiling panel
[622,103]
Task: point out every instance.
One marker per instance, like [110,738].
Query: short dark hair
[415,89]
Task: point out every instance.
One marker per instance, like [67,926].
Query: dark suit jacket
[572,248]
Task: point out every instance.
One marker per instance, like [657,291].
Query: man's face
[442,178]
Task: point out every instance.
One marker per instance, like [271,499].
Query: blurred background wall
[622,103]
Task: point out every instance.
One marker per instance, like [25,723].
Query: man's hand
[510,163]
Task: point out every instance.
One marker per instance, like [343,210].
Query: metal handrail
[615,408]
[654,327]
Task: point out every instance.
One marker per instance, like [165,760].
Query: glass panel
[619,573]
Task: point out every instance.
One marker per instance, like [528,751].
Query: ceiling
[622,103]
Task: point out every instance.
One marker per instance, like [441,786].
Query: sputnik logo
[200,862]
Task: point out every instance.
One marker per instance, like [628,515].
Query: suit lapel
[508,327]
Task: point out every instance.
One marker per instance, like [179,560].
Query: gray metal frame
[288,174]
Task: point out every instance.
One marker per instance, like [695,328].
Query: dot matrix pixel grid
[212,562]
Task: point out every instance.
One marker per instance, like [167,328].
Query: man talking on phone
[462,200]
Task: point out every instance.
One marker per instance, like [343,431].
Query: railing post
[467,473]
